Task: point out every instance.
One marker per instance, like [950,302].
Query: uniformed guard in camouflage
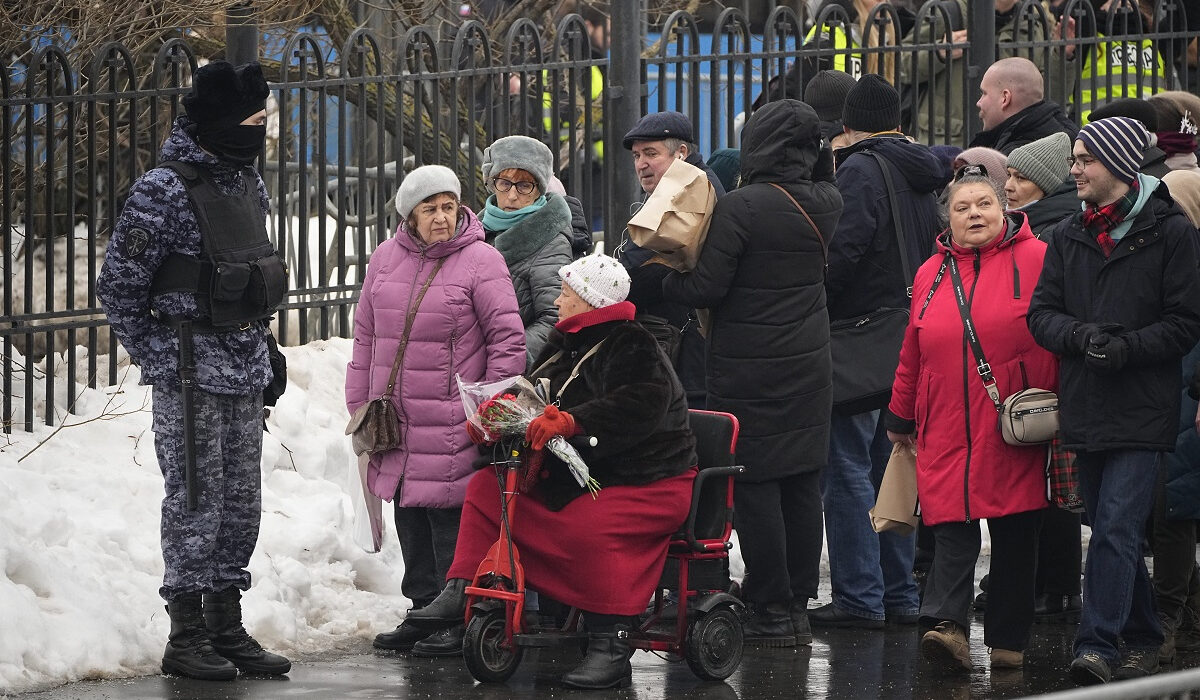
[206,551]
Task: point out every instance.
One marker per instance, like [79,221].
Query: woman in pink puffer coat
[467,324]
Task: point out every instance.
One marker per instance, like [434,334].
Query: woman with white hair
[436,302]
[602,555]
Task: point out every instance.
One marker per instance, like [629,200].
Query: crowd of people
[1068,251]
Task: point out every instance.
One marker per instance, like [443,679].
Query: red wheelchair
[707,632]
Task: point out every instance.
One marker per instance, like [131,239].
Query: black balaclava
[222,97]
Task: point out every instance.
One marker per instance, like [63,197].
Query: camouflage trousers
[209,548]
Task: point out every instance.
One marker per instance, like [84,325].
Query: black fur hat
[222,94]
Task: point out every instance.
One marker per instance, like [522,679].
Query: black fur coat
[626,396]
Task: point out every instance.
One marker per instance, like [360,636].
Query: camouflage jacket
[158,220]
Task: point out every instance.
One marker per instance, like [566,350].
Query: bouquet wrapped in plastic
[504,409]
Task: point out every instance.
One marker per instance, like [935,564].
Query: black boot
[606,664]
[223,615]
[447,642]
[189,652]
[770,625]
[449,608]
[402,638]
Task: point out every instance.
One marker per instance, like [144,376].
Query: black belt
[199,325]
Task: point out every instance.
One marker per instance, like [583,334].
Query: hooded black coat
[1049,211]
[865,271]
[1150,287]
[1036,121]
[761,273]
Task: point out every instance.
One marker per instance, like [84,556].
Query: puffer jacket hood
[1016,229]
[777,144]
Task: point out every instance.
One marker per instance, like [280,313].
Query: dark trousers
[1174,547]
[779,526]
[950,587]
[427,537]
[1060,553]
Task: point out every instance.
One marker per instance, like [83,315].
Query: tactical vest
[849,61]
[239,278]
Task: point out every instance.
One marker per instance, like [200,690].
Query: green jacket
[936,78]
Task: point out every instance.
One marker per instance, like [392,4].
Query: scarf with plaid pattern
[1099,221]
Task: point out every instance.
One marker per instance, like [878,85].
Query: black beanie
[872,105]
[222,94]
[1140,110]
[826,93]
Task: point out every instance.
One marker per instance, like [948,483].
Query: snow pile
[80,563]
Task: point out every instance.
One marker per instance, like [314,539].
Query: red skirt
[603,555]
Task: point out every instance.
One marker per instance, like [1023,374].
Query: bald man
[1012,108]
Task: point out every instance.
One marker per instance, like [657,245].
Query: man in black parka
[1119,302]
[762,273]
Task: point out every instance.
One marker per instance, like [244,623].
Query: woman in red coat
[965,470]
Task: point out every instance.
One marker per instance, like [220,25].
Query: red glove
[552,422]
[476,434]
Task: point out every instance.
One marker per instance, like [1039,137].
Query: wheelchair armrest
[688,531]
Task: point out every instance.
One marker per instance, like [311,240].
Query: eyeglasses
[970,171]
[524,187]
[1081,161]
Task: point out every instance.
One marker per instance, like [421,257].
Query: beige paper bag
[674,220]
[896,508]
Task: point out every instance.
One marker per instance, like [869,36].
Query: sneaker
[946,647]
[1138,663]
[1007,658]
[1090,669]
[830,615]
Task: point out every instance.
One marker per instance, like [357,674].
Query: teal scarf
[496,219]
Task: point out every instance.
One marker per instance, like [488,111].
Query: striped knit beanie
[1119,143]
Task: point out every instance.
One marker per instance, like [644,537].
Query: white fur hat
[424,182]
[598,279]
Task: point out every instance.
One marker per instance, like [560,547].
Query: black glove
[1106,353]
[1081,337]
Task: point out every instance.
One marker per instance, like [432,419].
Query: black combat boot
[402,638]
[189,651]
[223,615]
[448,609]
[446,642]
[770,625]
[606,664]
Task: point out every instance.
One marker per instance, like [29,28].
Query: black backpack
[664,332]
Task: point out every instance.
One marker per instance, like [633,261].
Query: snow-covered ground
[80,563]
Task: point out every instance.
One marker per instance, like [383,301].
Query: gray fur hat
[1045,162]
[424,182]
[519,152]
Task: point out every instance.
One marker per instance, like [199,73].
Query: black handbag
[866,350]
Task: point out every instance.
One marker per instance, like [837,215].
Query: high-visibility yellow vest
[1127,61]
[850,62]
[594,93]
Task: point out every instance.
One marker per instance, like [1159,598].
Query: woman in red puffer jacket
[965,470]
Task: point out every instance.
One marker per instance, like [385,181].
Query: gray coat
[534,250]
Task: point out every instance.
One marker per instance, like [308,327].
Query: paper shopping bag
[368,508]
[896,507]
[674,220]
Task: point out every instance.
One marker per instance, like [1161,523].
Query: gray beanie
[519,152]
[423,183]
[1045,162]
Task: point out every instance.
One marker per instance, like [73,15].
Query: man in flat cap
[189,282]
[657,140]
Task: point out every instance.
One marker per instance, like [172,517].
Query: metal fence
[347,121]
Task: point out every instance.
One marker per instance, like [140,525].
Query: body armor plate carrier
[240,278]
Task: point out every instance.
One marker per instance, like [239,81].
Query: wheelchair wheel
[483,648]
[713,648]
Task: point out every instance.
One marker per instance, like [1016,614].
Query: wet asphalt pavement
[849,664]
